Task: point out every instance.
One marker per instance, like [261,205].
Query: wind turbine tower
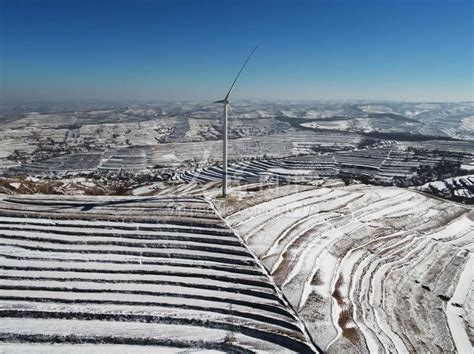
[226,104]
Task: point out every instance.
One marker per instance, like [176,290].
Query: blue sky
[191,49]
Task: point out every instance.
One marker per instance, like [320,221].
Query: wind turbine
[226,104]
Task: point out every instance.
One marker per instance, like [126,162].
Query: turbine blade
[221,101]
[237,77]
[230,108]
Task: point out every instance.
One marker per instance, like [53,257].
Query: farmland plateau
[144,271]
[348,227]
[402,144]
[369,269]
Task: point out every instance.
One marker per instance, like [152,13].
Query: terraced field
[188,154]
[380,165]
[72,163]
[369,269]
[457,188]
[113,272]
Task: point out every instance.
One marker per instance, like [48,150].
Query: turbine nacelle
[222,101]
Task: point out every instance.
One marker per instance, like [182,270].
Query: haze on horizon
[419,50]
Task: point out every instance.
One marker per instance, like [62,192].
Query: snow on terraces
[380,164]
[468,167]
[460,146]
[143,152]
[369,268]
[125,159]
[132,159]
[459,188]
[72,163]
[154,271]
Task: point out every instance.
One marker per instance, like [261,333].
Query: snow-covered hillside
[458,188]
[166,273]
[368,268]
